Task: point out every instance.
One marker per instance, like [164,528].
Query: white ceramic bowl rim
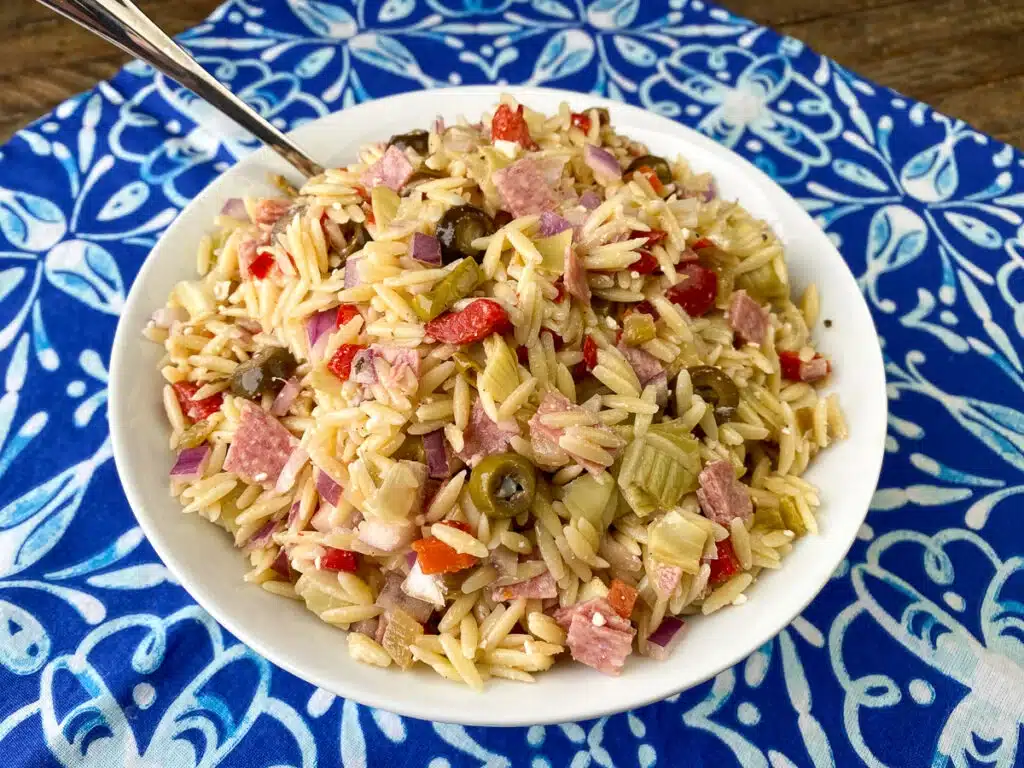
[205,563]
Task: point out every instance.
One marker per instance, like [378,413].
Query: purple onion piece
[425,248]
[552,224]
[286,397]
[603,163]
[235,208]
[319,323]
[352,272]
[590,200]
[190,463]
[262,536]
[438,466]
[329,490]
[665,638]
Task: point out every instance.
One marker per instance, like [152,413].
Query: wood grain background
[963,57]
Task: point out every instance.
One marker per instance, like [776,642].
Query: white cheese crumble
[260,477]
[599,619]
[507,148]
[740,600]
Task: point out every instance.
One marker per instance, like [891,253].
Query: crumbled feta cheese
[740,600]
[599,619]
[610,322]
[634,274]
[507,148]
[260,477]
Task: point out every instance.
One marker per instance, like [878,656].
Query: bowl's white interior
[204,560]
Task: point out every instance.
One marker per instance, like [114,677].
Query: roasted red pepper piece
[645,265]
[434,556]
[339,560]
[507,125]
[654,236]
[196,410]
[260,266]
[474,323]
[726,565]
[581,120]
[701,242]
[652,178]
[341,364]
[644,307]
[589,353]
[345,313]
[696,292]
[621,597]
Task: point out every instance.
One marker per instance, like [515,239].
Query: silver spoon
[124,25]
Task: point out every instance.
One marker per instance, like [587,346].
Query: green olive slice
[417,140]
[503,485]
[458,228]
[266,371]
[716,389]
[657,164]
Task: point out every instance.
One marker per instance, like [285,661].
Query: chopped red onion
[552,224]
[262,536]
[235,208]
[286,397]
[430,589]
[290,470]
[590,200]
[665,638]
[603,163]
[438,125]
[293,514]
[425,248]
[438,465]
[329,490]
[281,565]
[191,463]
[387,537]
[352,272]
[319,323]
[392,597]
[165,317]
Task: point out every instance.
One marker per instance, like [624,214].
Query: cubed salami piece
[524,188]
[482,436]
[602,639]
[538,588]
[392,170]
[747,318]
[261,447]
[721,496]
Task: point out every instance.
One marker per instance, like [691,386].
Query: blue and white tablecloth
[912,656]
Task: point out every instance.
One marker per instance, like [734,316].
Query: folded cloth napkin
[913,653]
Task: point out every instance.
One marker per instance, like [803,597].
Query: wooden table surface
[963,57]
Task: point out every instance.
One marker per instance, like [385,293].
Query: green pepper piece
[638,328]
[457,284]
[769,518]
[503,485]
[791,516]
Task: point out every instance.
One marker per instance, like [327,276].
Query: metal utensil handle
[124,25]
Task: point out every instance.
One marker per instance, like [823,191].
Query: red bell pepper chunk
[646,264]
[701,242]
[792,367]
[341,364]
[339,560]
[507,125]
[696,292]
[581,120]
[622,598]
[345,313]
[474,323]
[260,266]
[196,410]
[726,565]
[652,178]
[434,556]
[644,307]
[589,353]
[654,236]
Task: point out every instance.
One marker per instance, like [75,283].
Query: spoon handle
[124,25]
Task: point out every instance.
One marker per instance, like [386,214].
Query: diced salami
[261,447]
[564,616]
[645,365]
[392,170]
[366,627]
[748,318]
[392,597]
[601,640]
[537,588]
[524,188]
[814,369]
[439,464]
[721,495]
[576,276]
[269,210]
[667,578]
[544,439]
[482,437]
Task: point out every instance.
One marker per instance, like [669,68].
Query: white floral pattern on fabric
[915,647]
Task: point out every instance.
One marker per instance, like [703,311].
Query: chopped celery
[659,468]
[459,283]
[501,373]
[385,202]
[196,434]
[593,588]
[763,283]
[465,364]
[321,591]
[769,518]
[791,516]
[552,250]
[401,632]
[587,496]
[674,540]
[638,328]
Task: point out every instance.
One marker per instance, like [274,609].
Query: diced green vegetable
[385,202]
[196,435]
[495,160]
[321,591]
[674,540]
[501,373]
[588,497]
[763,283]
[659,468]
[638,328]
[463,279]
[791,516]
[552,249]
[465,364]
[769,518]
[402,631]
[401,488]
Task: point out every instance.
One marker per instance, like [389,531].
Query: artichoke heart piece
[674,540]
[659,468]
[501,372]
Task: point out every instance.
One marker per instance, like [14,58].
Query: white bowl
[202,556]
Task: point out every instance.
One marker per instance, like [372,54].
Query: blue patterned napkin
[911,656]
